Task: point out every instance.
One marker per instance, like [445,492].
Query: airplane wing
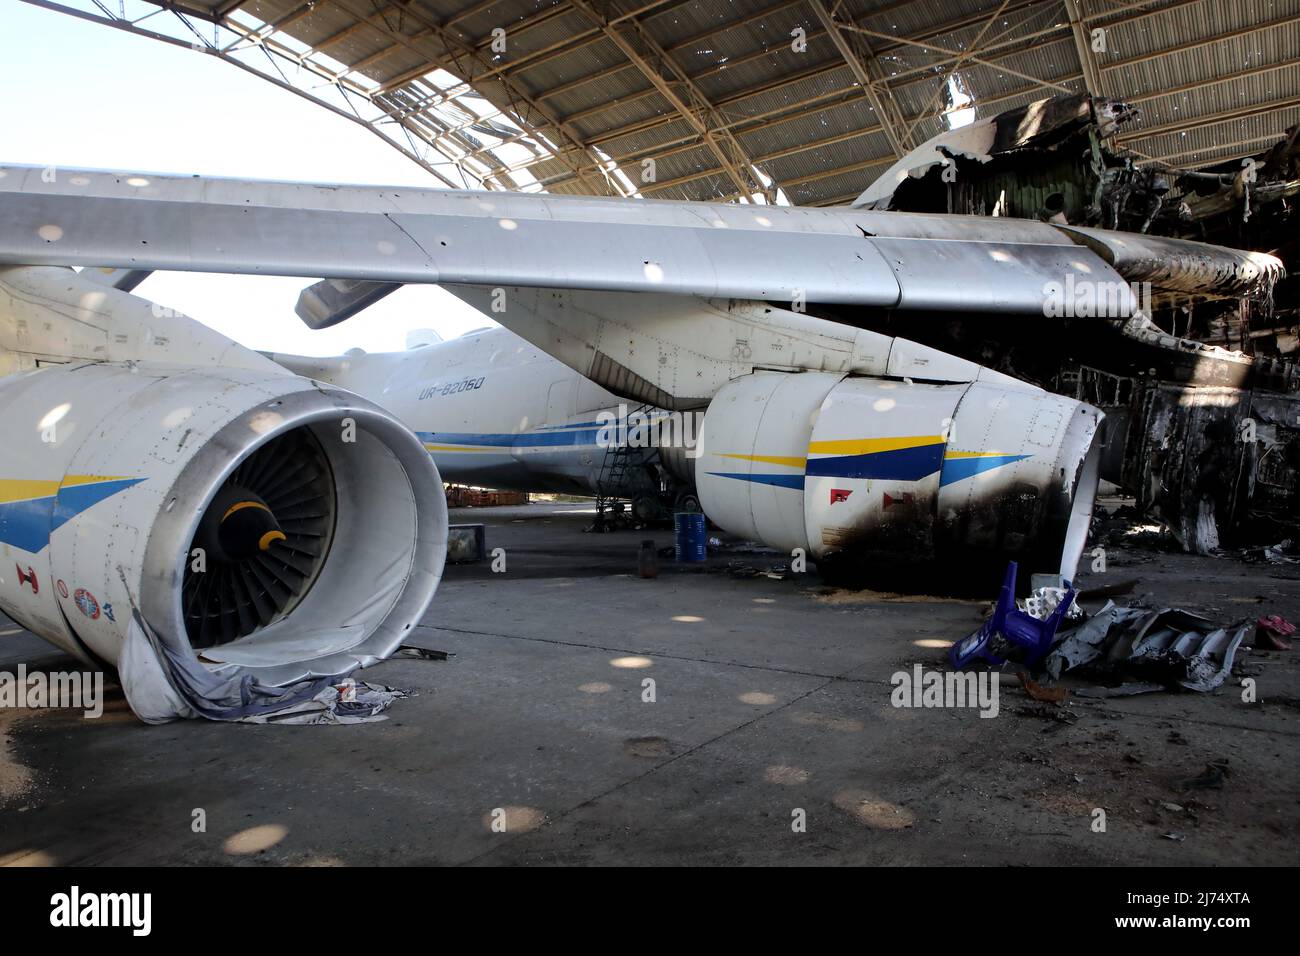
[772,253]
[599,283]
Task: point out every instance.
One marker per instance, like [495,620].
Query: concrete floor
[772,696]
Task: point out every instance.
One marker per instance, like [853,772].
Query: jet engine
[863,471]
[259,522]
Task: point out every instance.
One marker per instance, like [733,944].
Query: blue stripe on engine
[74,499]
[28,524]
[780,481]
[903,464]
[955,469]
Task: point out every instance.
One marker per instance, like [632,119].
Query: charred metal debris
[1120,651]
[1200,387]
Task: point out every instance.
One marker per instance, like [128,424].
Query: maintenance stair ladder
[619,462]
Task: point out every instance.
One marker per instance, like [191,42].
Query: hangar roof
[805,101]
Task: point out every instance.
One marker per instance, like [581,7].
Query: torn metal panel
[1163,648]
[1187,466]
[1087,642]
[1055,161]
[1044,160]
[1208,357]
[1178,265]
[973,142]
[1273,470]
[1187,647]
[1201,456]
[1042,125]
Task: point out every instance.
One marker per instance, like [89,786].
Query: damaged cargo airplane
[1203,415]
[136,436]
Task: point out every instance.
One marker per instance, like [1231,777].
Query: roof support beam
[812,177]
[799,111]
[270,29]
[128,26]
[1224,116]
[819,70]
[1259,144]
[691,42]
[440,132]
[665,7]
[683,96]
[885,107]
[959,55]
[456,50]
[570,43]
[1083,46]
[915,76]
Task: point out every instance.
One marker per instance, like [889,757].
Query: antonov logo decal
[30,511]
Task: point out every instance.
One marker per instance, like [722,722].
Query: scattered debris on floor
[1211,778]
[1042,601]
[1272,633]
[1284,552]
[15,777]
[1146,536]
[850,596]
[1122,651]
[777,572]
[411,652]
[1012,634]
[1130,689]
[1127,586]
[1053,695]
[346,702]
[1167,647]
[1048,710]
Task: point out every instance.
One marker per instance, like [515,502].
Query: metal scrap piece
[1178,643]
[1163,648]
[1088,641]
[1123,690]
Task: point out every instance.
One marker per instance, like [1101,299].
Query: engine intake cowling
[871,471]
[258,520]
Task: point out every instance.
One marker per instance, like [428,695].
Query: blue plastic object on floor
[1015,627]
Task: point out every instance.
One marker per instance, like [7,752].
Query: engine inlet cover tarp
[161,686]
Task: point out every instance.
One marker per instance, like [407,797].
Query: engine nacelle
[874,470]
[258,520]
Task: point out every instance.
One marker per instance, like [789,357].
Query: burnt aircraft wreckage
[1200,390]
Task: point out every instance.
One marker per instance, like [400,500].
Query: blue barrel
[692,543]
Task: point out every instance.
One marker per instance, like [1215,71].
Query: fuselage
[491,409]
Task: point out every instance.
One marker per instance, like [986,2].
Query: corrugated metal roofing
[1214,79]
